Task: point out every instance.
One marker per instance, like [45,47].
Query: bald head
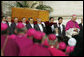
[24,20]
[15,20]
[9,19]
[74,18]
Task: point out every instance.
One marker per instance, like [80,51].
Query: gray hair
[52,42]
[7,17]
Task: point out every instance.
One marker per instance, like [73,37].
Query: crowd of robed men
[36,38]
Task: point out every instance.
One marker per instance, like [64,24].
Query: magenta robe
[56,52]
[70,24]
[45,43]
[35,50]
[11,48]
[22,41]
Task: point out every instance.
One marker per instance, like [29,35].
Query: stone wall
[7,5]
[65,8]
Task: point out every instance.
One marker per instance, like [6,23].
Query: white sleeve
[69,32]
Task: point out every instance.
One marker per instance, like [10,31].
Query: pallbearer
[50,26]
[39,26]
[30,24]
[9,25]
[14,24]
[24,21]
[61,27]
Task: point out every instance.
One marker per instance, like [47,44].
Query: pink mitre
[52,37]
[62,45]
[38,35]
[31,32]
[69,49]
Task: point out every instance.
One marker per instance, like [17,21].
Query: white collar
[9,22]
[3,22]
[24,23]
[58,24]
[32,24]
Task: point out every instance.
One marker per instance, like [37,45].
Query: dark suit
[49,29]
[78,51]
[80,43]
[10,29]
[28,26]
[38,29]
[13,27]
[63,31]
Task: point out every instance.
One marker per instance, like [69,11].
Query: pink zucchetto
[38,35]
[52,37]
[62,45]
[74,15]
[20,25]
[31,32]
[4,26]
[69,49]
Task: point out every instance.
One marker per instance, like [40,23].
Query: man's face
[31,21]
[52,20]
[9,19]
[16,20]
[4,19]
[24,20]
[74,18]
[39,21]
[60,21]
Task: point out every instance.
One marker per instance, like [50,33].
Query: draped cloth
[22,41]
[11,48]
[56,52]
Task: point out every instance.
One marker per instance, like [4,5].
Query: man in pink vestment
[36,49]
[54,51]
[21,38]
[8,46]
[72,27]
